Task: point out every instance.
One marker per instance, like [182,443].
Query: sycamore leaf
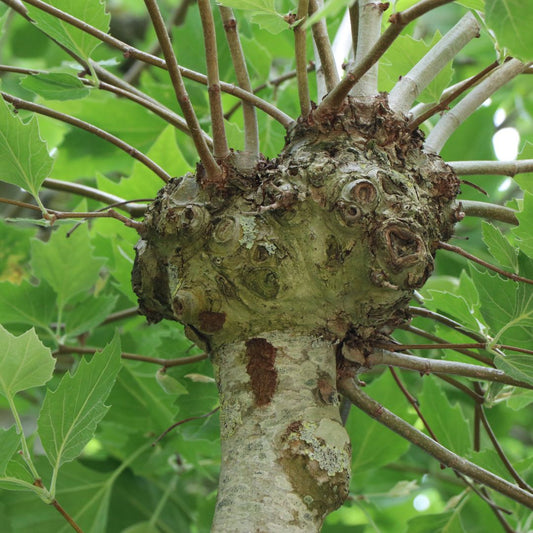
[24,158]
[436,523]
[24,362]
[511,21]
[92,12]
[523,231]
[67,264]
[70,414]
[499,247]
[56,86]
[518,366]
[9,442]
[262,12]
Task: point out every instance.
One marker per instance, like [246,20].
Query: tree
[289,218]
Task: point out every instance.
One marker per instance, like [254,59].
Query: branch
[473,208]
[323,46]
[120,315]
[422,112]
[119,143]
[220,141]
[439,366]
[460,251]
[300,51]
[53,215]
[369,30]
[206,157]
[166,363]
[458,114]
[372,408]
[134,209]
[500,168]
[405,92]
[398,21]
[251,130]
[177,18]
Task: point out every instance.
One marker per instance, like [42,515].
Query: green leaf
[65,431]
[523,231]
[448,522]
[478,5]
[518,366]
[92,12]
[9,442]
[447,422]
[88,313]
[262,12]
[67,264]
[24,362]
[141,527]
[499,247]
[27,304]
[24,158]
[373,444]
[511,21]
[169,384]
[56,86]
[455,306]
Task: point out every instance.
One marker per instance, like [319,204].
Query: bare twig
[461,111]
[418,78]
[323,46]
[347,387]
[220,141]
[190,419]
[121,315]
[300,51]
[473,208]
[251,130]
[460,251]
[499,168]
[53,215]
[334,100]
[422,112]
[206,157]
[119,143]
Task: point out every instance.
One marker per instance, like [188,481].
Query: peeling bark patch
[263,374]
[210,322]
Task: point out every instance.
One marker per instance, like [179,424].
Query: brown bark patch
[263,375]
[211,322]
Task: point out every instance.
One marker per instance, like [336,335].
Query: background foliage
[66,289]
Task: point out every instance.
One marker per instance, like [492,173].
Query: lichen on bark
[327,241]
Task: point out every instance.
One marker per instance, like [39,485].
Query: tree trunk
[281,434]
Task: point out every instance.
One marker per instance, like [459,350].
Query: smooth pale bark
[281,435]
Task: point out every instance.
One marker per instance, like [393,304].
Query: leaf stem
[18,103]
[398,21]
[372,408]
[220,141]
[460,251]
[205,155]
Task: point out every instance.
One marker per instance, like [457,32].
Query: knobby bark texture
[274,271]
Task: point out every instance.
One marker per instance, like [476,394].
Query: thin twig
[458,385]
[440,366]
[461,111]
[134,209]
[334,100]
[454,346]
[300,52]
[220,141]
[18,203]
[430,336]
[372,408]
[323,45]
[165,363]
[460,251]
[66,516]
[251,129]
[53,215]
[190,419]
[498,511]
[473,208]
[106,136]
[206,157]
[497,168]
[424,111]
[405,92]
[121,315]
[177,18]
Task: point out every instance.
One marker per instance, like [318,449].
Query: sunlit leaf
[24,362]
[500,248]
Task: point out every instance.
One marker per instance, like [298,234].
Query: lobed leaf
[70,414]
[9,442]
[24,362]
[499,247]
[24,158]
[56,86]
